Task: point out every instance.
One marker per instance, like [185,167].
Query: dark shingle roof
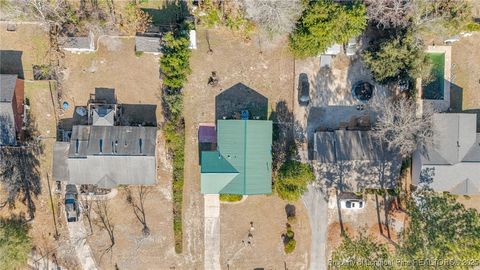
[7,87]
[113,140]
[354,160]
[107,156]
[7,118]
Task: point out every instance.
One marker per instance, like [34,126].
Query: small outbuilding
[148,44]
[80,44]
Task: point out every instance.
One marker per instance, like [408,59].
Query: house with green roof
[242,162]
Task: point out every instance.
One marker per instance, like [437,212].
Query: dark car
[303,89]
[71,204]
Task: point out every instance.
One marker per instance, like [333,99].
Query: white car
[352,204]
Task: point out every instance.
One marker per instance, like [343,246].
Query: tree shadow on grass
[239,97]
[20,174]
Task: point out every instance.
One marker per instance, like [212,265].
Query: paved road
[212,232]
[317,210]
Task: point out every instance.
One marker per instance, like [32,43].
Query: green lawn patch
[230,197]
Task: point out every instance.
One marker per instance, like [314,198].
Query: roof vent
[458,144]
[77,145]
[140,144]
[101,146]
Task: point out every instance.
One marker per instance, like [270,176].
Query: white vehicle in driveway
[352,204]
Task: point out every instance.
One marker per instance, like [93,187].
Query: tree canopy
[354,251]
[441,227]
[398,57]
[174,63]
[292,180]
[15,244]
[324,23]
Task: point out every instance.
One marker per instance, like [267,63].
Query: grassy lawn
[230,197]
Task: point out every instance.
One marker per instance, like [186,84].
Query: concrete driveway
[212,232]
[78,237]
[314,200]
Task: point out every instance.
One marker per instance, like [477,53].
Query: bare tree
[87,205]
[399,125]
[137,202]
[49,12]
[274,16]
[105,220]
[389,13]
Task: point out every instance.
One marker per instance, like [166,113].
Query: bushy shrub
[175,61]
[324,23]
[290,246]
[292,180]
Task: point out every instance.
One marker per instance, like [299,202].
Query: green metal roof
[242,163]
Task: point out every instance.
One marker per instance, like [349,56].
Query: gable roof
[107,156]
[452,163]
[455,135]
[354,160]
[242,163]
[346,145]
[112,140]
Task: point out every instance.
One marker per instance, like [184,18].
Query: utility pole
[53,208]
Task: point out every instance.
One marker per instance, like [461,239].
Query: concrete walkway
[78,237]
[212,232]
[316,205]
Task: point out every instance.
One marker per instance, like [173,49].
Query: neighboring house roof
[455,134]
[353,160]
[452,163]
[108,156]
[112,140]
[7,116]
[148,44]
[242,163]
[7,87]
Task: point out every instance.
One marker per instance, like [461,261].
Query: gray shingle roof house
[452,163]
[148,44]
[353,160]
[105,154]
[79,44]
[11,108]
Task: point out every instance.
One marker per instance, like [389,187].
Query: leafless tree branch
[400,127]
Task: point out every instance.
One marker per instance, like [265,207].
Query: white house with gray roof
[452,163]
[106,155]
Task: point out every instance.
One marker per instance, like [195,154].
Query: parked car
[71,204]
[352,204]
[303,89]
